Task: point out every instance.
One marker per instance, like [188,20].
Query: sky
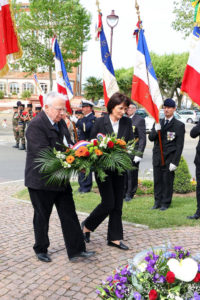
[157,18]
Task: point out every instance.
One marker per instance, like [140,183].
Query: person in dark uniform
[84,126]
[15,125]
[112,189]
[52,131]
[195,132]
[139,132]
[172,136]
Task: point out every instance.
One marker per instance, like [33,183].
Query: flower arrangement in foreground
[100,155]
[160,274]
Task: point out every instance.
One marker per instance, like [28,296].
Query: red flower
[197,278]
[170,277]
[87,153]
[95,143]
[153,295]
[110,144]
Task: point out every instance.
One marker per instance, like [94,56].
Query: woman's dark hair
[117,99]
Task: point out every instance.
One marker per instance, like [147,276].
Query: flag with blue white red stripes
[62,79]
[110,85]
[145,88]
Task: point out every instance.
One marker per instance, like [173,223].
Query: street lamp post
[112,21]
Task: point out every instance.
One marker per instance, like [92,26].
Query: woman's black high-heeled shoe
[86,235]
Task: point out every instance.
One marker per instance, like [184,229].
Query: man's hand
[172,167]
[137,159]
[157,126]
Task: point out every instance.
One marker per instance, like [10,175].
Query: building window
[14,87]
[27,86]
[44,87]
[2,87]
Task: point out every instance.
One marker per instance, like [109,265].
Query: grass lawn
[138,210]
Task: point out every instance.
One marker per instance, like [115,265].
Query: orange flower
[70,159]
[67,150]
[98,152]
[82,151]
[121,142]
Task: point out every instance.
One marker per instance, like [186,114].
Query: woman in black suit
[112,189]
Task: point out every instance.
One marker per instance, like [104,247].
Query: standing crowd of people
[55,128]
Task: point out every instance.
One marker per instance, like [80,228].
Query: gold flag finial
[98,6]
[137,9]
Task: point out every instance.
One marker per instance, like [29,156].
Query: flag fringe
[18,54]
[4,71]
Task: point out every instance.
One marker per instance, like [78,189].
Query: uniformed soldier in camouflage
[29,115]
[15,126]
[21,126]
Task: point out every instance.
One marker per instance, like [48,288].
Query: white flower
[185,269]
[60,155]
[142,267]
[103,145]
[66,165]
[178,298]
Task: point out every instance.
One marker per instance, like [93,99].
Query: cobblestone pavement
[23,277]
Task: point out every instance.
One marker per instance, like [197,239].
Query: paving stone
[23,277]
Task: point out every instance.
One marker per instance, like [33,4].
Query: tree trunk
[50,78]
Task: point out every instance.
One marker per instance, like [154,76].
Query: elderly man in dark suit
[139,132]
[48,129]
[172,136]
[195,132]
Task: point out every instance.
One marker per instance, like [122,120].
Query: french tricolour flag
[191,77]
[109,81]
[145,88]
[62,80]
[41,96]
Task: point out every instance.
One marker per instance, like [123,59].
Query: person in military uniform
[21,126]
[195,132]
[84,126]
[172,136]
[139,132]
[38,109]
[29,114]
[15,118]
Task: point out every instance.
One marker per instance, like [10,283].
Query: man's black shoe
[86,235]
[84,254]
[120,246]
[43,257]
[194,217]
[163,208]
[155,206]
[16,146]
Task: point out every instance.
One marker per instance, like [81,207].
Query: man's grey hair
[51,96]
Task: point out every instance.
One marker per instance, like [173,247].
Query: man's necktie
[56,126]
[166,122]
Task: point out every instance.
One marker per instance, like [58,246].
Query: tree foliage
[124,80]
[93,88]
[184,20]
[66,19]
[169,69]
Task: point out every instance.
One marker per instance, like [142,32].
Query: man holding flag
[168,137]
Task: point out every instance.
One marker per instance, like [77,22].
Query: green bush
[25,94]
[145,187]
[182,180]
[1,94]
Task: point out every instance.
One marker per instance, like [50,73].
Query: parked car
[141,112]
[101,102]
[176,115]
[188,115]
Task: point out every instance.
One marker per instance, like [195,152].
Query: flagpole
[159,133]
